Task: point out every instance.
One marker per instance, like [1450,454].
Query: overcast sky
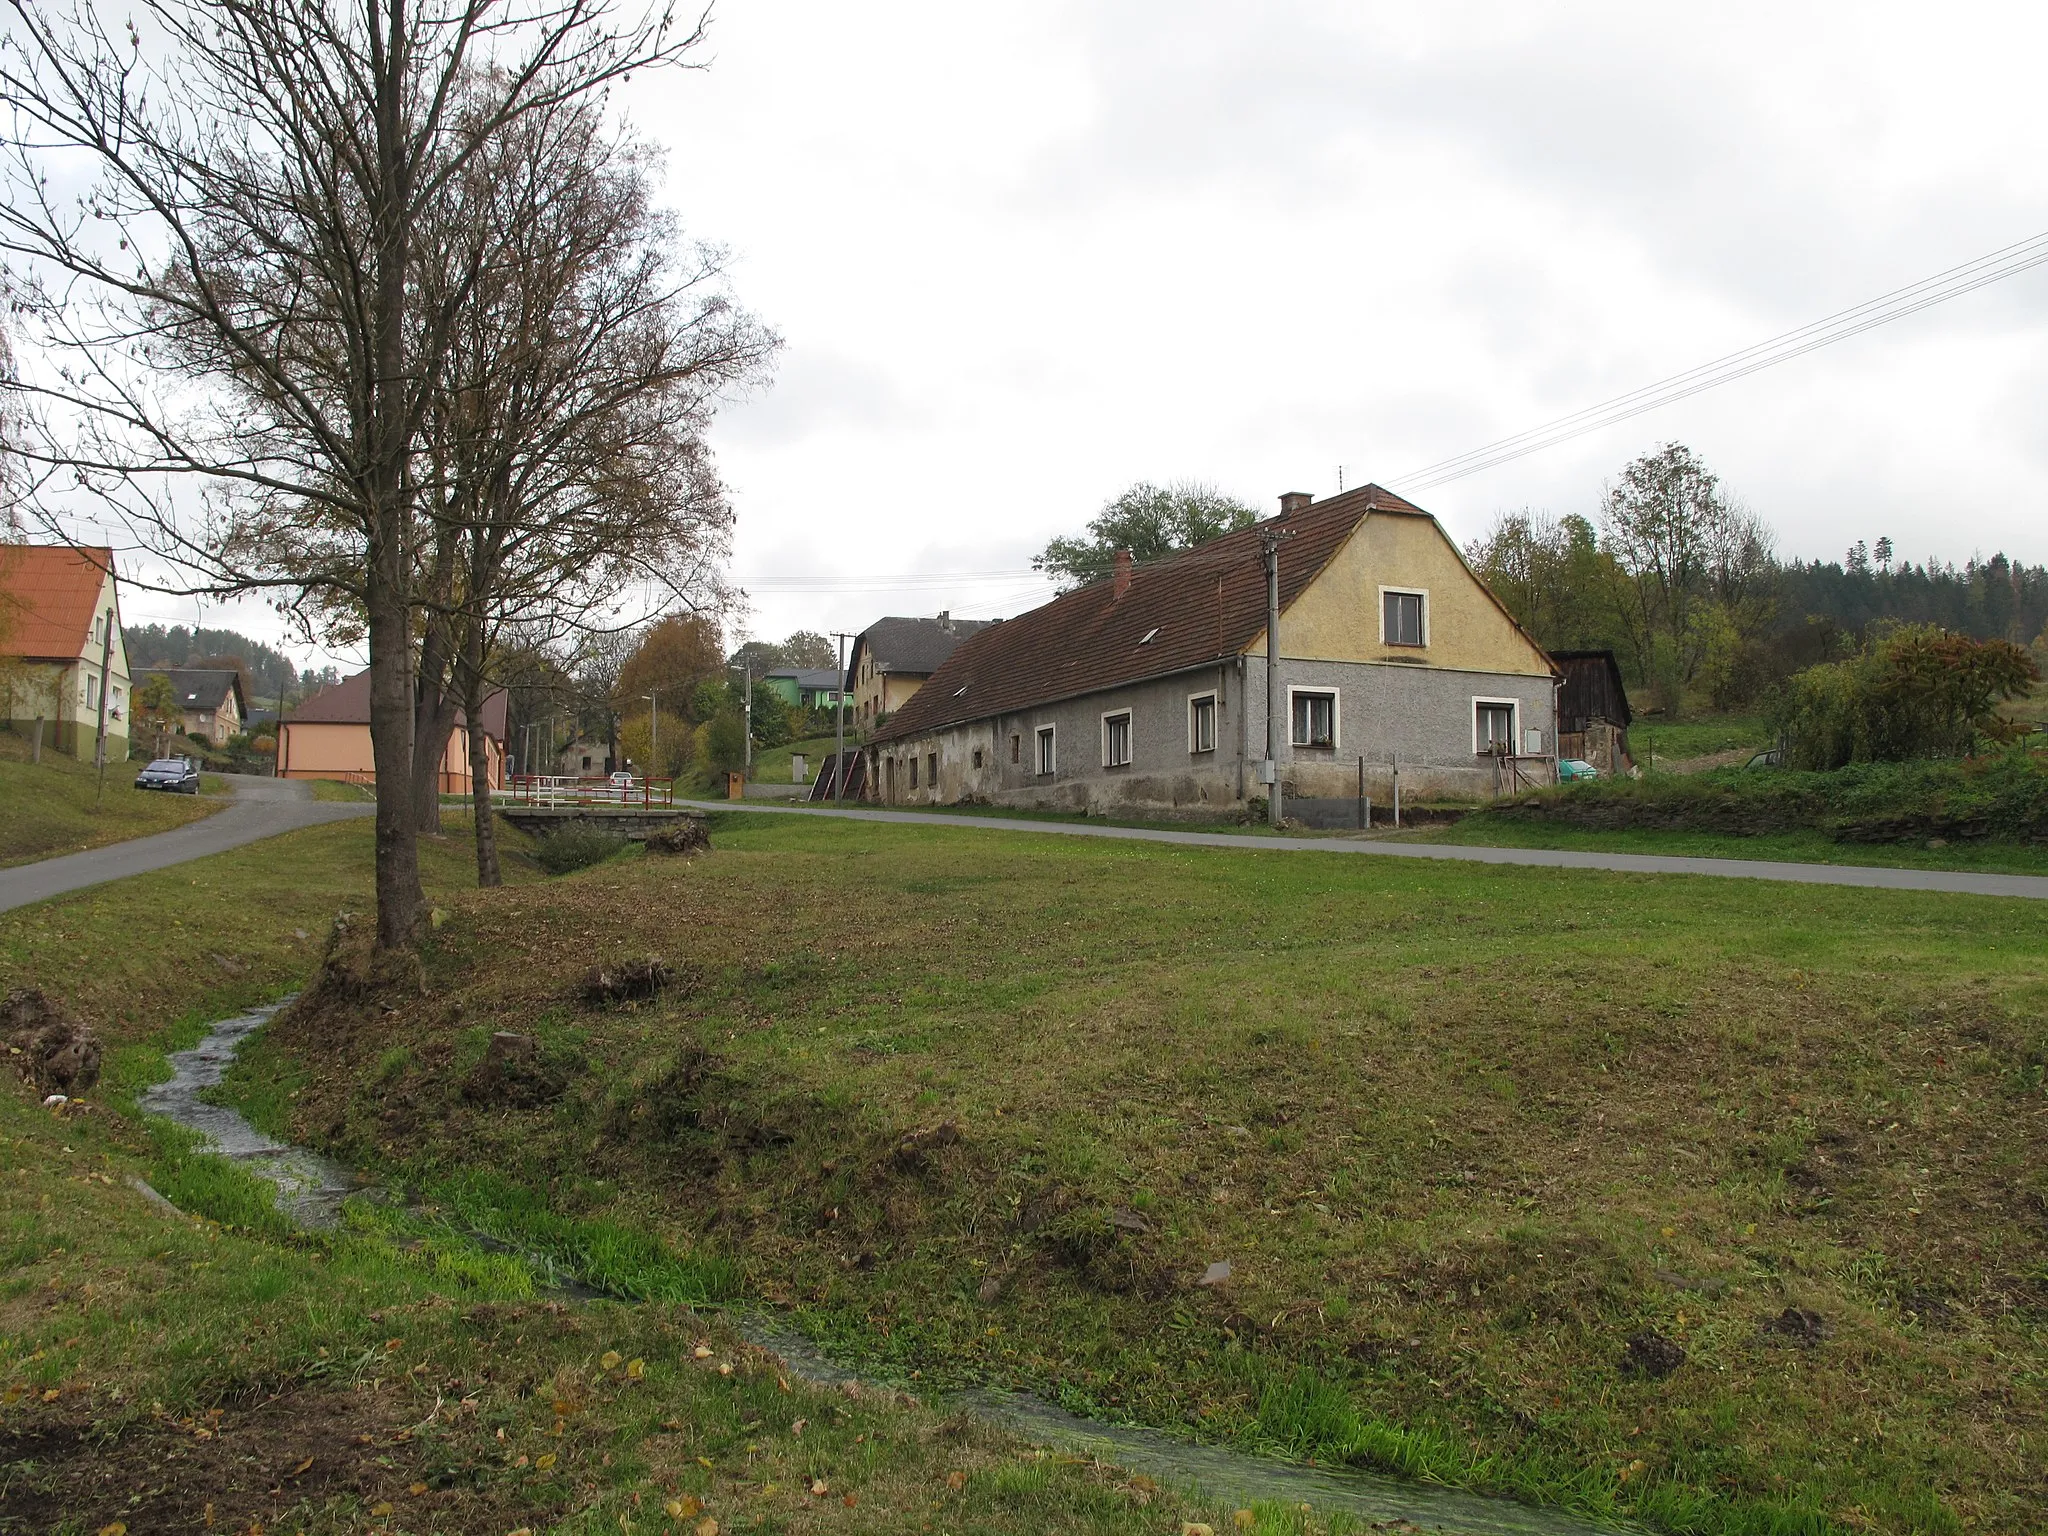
[1024,255]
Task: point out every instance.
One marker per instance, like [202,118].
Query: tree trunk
[400,899]
[487,872]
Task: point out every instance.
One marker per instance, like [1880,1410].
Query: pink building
[328,737]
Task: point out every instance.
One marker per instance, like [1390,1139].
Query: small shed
[1592,711]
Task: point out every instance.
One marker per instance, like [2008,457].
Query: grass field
[230,1373]
[1493,831]
[1486,1150]
[49,806]
[771,764]
[1681,740]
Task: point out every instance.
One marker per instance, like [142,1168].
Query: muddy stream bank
[312,1188]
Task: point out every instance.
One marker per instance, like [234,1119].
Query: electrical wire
[2008,261]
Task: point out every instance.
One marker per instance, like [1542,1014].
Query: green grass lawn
[771,764]
[342,792]
[1486,1149]
[50,809]
[1677,740]
[227,1372]
[1493,831]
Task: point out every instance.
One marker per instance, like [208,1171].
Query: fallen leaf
[1196,1528]
[545,1460]
[684,1507]
[849,1501]
[707,1527]
[610,1360]
[116,1529]
[524,1530]
[303,1467]
[391,1344]
[797,1427]
[636,1369]
[701,1352]
[1216,1273]
[782,1382]
[819,1488]
[417,1489]
[381,1509]
[956,1480]
[51,1395]
[1244,1519]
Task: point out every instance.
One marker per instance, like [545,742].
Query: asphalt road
[1952,881]
[262,808]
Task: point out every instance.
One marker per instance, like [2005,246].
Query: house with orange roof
[63,667]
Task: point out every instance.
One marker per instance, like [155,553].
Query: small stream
[311,1189]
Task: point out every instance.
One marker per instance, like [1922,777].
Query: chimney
[1120,582]
[1292,502]
[945,618]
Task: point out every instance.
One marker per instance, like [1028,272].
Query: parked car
[176,775]
[1570,769]
[1769,758]
[622,787]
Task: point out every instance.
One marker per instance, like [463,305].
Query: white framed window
[92,692]
[1312,717]
[1493,726]
[1116,739]
[1048,751]
[1201,722]
[1404,616]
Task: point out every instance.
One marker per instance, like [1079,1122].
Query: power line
[1993,267]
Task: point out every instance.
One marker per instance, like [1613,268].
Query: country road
[262,808]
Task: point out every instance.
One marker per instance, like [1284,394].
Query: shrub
[1918,692]
[2003,796]
[575,848]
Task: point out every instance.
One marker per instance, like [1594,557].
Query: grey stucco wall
[1424,715]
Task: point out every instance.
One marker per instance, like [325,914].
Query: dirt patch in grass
[267,1462]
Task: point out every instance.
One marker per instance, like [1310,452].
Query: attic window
[960,692]
[1150,635]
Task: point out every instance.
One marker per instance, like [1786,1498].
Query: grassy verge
[1493,830]
[225,1373]
[1717,1207]
[771,764]
[341,792]
[229,1372]
[1681,740]
[51,808]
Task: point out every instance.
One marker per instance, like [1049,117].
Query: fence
[548,789]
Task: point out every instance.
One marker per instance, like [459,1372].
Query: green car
[1571,769]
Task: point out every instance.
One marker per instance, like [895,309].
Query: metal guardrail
[562,790]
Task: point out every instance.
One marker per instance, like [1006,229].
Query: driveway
[262,808]
[1955,881]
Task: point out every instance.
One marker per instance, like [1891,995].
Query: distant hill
[270,671]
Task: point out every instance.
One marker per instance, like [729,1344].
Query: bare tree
[247,357]
[565,450]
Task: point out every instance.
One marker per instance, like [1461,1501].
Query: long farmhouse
[1147,691]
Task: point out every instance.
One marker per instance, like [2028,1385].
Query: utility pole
[653,698]
[1269,770]
[747,681]
[839,756]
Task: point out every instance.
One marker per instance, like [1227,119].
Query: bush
[2004,796]
[575,848]
[1918,692]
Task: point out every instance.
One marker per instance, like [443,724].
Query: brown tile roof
[48,593]
[348,703]
[1198,606]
